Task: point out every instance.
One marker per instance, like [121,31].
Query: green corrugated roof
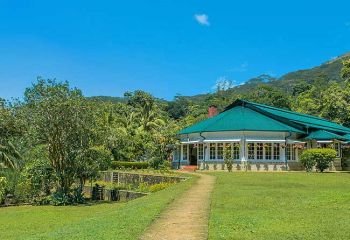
[347,137]
[248,116]
[324,135]
[300,118]
[239,119]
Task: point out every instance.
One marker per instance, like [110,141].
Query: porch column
[243,149]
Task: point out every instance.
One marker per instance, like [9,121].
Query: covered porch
[273,152]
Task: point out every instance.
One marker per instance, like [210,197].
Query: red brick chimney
[212,111]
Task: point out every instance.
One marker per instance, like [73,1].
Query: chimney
[212,111]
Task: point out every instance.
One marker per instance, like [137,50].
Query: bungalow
[259,137]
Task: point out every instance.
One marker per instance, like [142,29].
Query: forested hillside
[289,85]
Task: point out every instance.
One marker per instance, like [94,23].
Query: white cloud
[241,68]
[202,19]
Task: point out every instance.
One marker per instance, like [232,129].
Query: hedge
[321,158]
[132,165]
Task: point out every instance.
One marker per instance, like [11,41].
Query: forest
[54,139]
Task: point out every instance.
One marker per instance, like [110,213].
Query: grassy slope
[280,206]
[102,221]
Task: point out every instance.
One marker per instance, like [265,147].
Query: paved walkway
[187,217]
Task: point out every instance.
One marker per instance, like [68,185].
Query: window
[259,151]
[200,151]
[184,152]
[220,151]
[268,151]
[212,151]
[288,152]
[235,151]
[276,151]
[293,150]
[251,155]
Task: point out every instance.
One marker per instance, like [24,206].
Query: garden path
[187,217]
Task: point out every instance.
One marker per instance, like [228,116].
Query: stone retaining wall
[99,193]
[134,179]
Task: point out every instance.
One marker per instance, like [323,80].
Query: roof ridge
[289,111]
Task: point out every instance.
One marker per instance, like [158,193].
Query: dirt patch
[187,217]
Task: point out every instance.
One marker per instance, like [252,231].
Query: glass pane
[268,151]
[236,151]
[200,152]
[259,150]
[220,151]
[212,151]
[251,151]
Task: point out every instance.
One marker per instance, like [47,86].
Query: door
[193,154]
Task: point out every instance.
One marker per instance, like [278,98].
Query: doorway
[193,154]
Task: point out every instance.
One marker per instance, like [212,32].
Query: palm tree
[8,156]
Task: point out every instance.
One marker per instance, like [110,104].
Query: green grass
[102,221]
[280,206]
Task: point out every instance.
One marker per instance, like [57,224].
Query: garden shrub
[319,157]
[159,186]
[130,165]
[157,163]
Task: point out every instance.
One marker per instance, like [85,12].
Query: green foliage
[270,96]
[179,107]
[10,127]
[90,161]
[62,119]
[160,164]
[228,158]
[37,177]
[129,165]
[319,157]
[307,160]
[159,186]
[9,155]
[3,184]
[345,71]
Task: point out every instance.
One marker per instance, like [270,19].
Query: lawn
[102,221]
[280,206]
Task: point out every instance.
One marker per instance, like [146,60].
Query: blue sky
[164,47]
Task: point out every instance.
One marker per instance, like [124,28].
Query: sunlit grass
[280,206]
[102,221]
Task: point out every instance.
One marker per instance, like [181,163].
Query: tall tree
[61,118]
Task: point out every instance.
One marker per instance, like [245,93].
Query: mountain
[328,71]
